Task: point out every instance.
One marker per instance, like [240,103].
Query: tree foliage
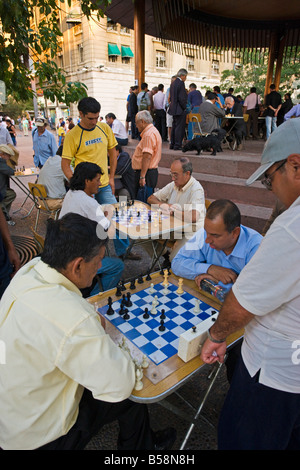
[28,50]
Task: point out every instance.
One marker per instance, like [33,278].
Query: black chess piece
[140,279]
[146,314]
[118,291]
[128,302]
[163,316]
[132,284]
[148,278]
[162,326]
[126,316]
[123,285]
[122,309]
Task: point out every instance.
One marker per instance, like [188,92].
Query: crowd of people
[55,398]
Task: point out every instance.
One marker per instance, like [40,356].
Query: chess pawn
[138,382]
[180,290]
[197,306]
[151,289]
[145,363]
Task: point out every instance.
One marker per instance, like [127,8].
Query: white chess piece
[180,290]
[153,310]
[151,289]
[145,362]
[138,382]
[197,306]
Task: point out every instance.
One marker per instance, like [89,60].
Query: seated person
[65,377]
[238,126]
[218,252]
[118,128]
[54,180]
[126,184]
[184,199]
[8,194]
[79,200]
[9,259]
[210,113]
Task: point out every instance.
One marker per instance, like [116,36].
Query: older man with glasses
[262,408]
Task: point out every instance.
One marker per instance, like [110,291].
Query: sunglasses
[267,180]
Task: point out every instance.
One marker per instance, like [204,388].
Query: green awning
[113,49]
[126,51]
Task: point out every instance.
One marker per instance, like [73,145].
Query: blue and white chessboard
[158,345]
[137,215]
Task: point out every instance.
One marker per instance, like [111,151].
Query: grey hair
[182,72]
[185,163]
[229,98]
[145,116]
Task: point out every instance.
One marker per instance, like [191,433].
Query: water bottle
[214,289]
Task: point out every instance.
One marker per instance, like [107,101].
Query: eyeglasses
[267,180]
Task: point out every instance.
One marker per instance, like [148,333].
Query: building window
[215,67]
[161,59]
[190,63]
[80,52]
[124,30]
[111,25]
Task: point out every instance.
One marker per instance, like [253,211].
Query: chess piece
[146,314]
[145,363]
[180,291]
[166,282]
[110,310]
[132,284]
[140,279]
[138,382]
[151,288]
[162,326]
[197,306]
[126,316]
[163,316]
[153,310]
[128,302]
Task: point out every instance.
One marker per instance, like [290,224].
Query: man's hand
[200,277]
[14,259]
[213,352]
[225,275]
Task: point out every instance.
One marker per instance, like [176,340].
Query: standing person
[285,108]
[262,408]
[44,144]
[147,154]
[177,109]
[132,110]
[160,112]
[91,141]
[217,91]
[127,114]
[25,125]
[12,131]
[143,98]
[273,105]
[125,186]
[169,118]
[8,195]
[251,107]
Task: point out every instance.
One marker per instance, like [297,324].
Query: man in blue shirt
[44,144]
[220,250]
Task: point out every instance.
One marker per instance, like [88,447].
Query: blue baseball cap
[284,141]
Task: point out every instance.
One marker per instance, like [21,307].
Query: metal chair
[195,119]
[39,193]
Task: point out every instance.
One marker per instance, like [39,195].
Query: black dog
[210,142]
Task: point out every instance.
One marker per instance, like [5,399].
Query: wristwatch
[218,341]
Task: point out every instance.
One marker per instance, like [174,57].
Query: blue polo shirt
[44,146]
[196,256]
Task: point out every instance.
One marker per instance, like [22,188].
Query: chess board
[145,333]
[138,214]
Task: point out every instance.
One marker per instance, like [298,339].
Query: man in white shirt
[53,178]
[184,199]
[118,128]
[64,377]
[262,408]
[80,199]
[160,112]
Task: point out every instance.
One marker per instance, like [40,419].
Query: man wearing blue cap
[262,408]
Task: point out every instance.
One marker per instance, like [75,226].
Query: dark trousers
[134,434]
[151,180]
[134,132]
[257,417]
[178,129]
[160,122]
[252,123]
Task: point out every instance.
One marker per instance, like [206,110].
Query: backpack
[143,102]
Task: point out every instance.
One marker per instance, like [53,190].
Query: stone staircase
[224,176]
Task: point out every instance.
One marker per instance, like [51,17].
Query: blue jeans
[105,196]
[111,272]
[270,125]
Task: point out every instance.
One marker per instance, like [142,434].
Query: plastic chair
[195,119]
[39,193]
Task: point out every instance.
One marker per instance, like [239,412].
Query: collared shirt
[190,197]
[53,178]
[90,146]
[159,100]
[44,146]
[195,98]
[269,288]
[294,112]
[150,143]
[119,129]
[81,203]
[197,256]
[251,101]
[55,347]
[5,137]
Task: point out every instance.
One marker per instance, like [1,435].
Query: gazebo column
[279,61]
[139,41]
[271,61]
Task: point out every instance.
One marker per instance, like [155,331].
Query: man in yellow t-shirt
[91,141]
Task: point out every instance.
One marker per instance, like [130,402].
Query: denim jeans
[270,125]
[111,272]
[105,196]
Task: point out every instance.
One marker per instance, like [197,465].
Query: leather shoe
[164,439]
[171,147]
[177,148]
